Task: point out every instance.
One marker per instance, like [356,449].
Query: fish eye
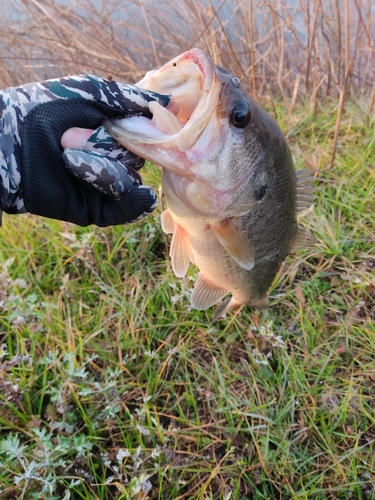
[240,115]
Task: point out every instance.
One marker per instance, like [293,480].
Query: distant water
[132,11]
[16,11]
[137,14]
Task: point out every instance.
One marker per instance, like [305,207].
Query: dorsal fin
[305,177]
[303,239]
[235,243]
[304,189]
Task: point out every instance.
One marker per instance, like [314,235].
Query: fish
[228,176]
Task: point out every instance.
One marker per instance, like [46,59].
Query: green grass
[110,383]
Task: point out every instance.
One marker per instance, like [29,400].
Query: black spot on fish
[260,192]
[174,64]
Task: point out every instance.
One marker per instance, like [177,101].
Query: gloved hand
[36,173]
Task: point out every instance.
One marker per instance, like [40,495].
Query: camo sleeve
[106,167]
[4,184]
[10,149]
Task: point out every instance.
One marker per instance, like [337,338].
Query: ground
[112,388]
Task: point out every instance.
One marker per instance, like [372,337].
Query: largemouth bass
[231,189]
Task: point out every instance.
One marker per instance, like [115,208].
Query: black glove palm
[46,186]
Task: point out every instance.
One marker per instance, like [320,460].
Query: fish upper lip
[204,108]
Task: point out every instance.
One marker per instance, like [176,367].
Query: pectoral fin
[205,294]
[235,243]
[302,240]
[180,252]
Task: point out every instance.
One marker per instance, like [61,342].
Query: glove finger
[108,175]
[137,203]
[127,99]
[102,143]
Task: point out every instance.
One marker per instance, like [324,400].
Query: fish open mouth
[192,82]
[187,137]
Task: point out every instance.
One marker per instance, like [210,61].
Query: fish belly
[215,265]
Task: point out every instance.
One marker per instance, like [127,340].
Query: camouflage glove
[36,173]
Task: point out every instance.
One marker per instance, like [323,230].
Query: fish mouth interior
[192,82]
[187,78]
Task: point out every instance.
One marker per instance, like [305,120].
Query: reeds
[303,49]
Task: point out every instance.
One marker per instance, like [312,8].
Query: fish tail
[232,303]
[227,305]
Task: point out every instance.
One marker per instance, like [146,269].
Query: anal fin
[205,294]
[303,239]
[235,243]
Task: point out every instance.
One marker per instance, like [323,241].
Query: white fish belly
[213,262]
